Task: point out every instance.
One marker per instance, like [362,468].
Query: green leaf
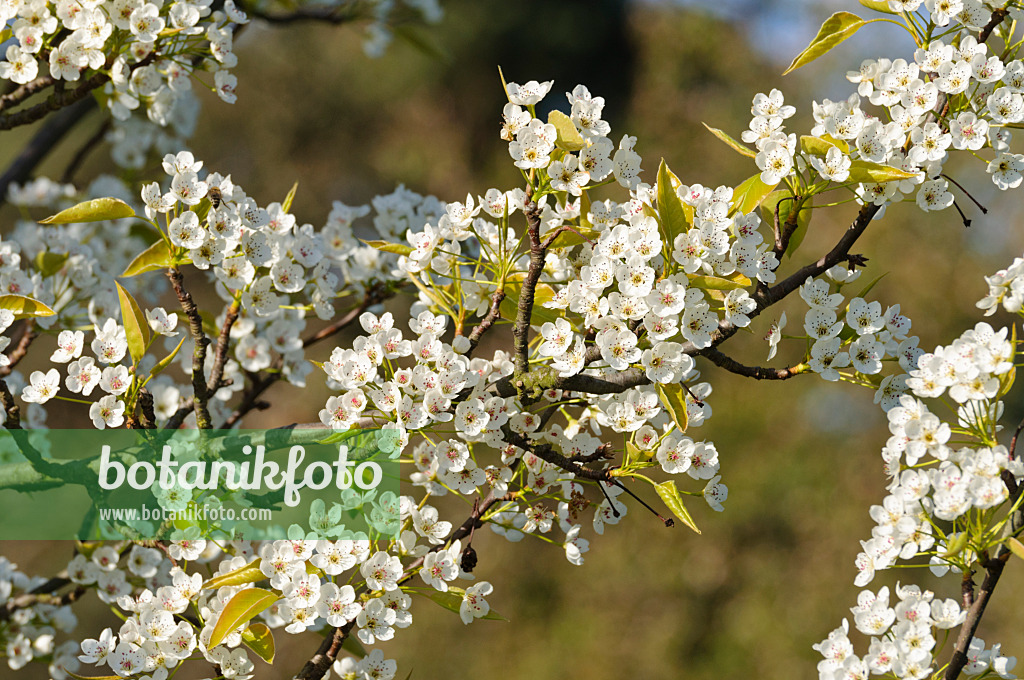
[390,247]
[48,263]
[736,146]
[202,210]
[162,365]
[569,238]
[24,307]
[136,326]
[878,6]
[866,171]
[250,573]
[157,256]
[569,138]
[286,206]
[835,30]
[5,35]
[749,195]
[819,146]
[785,210]
[731,282]
[673,398]
[240,610]
[674,217]
[259,639]
[867,288]
[1016,547]
[670,495]
[96,210]
[353,646]
[956,546]
[541,294]
[91,677]
[452,600]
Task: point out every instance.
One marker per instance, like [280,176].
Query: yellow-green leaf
[541,294]
[749,195]
[866,171]
[956,546]
[819,146]
[353,646]
[674,218]
[96,210]
[878,6]
[136,326]
[835,30]
[287,205]
[162,365]
[5,35]
[673,398]
[668,493]
[785,210]
[250,573]
[239,610]
[92,677]
[736,146]
[569,138]
[390,247]
[569,238]
[259,639]
[731,282]
[24,307]
[157,256]
[452,601]
[48,263]
[1016,547]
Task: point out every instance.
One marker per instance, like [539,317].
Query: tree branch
[201,396]
[320,663]
[757,372]
[521,331]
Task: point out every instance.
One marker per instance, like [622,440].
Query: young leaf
[162,365]
[736,146]
[878,6]
[569,238]
[136,326]
[286,206]
[731,282]
[819,146]
[867,288]
[749,195]
[866,171]
[24,307]
[1016,547]
[452,600]
[835,30]
[785,210]
[569,138]
[259,639]
[240,610]
[48,263]
[250,573]
[96,210]
[353,646]
[670,495]
[389,247]
[673,398]
[92,677]
[157,256]
[674,219]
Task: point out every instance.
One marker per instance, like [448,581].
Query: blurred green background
[773,574]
